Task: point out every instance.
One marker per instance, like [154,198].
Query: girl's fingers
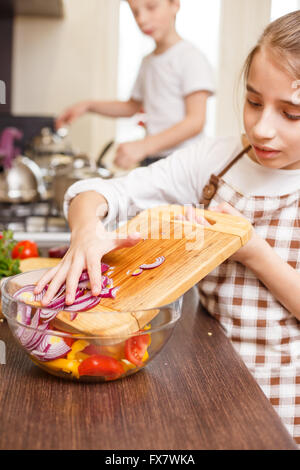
[226,208]
[192,216]
[202,221]
[56,283]
[72,281]
[94,271]
[48,276]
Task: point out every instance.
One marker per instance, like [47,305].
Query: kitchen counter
[197,394]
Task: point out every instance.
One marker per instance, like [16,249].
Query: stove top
[37,221]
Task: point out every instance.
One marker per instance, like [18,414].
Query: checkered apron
[261,330]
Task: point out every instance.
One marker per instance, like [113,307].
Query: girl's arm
[130,153]
[279,277]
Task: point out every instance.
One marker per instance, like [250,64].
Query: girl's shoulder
[214,153]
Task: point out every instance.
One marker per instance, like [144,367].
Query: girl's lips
[265,152]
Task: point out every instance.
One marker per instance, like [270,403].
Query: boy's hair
[282,37]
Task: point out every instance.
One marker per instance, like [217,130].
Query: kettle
[46,144]
[20,178]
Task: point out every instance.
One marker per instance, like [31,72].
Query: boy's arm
[130,153]
[105,108]
[115,108]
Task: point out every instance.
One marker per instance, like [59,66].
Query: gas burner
[35,217]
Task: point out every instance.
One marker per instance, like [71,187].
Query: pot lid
[51,142]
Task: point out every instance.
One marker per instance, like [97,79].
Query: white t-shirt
[181,177]
[164,80]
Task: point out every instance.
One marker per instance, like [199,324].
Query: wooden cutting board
[191,251]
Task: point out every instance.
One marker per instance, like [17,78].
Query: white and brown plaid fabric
[262,331]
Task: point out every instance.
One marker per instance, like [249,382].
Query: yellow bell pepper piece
[145,356]
[64,365]
[76,347]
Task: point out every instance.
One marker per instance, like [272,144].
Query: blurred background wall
[94,51]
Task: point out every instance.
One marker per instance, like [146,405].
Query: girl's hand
[252,246]
[246,252]
[87,248]
[129,154]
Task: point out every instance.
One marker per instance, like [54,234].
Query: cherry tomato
[1,236]
[25,249]
[92,350]
[98,365]
[135,348]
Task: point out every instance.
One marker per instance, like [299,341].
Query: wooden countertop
[197,394]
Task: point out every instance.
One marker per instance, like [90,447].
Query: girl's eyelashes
[292,117]
[253,103]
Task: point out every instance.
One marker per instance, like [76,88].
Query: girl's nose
[265,127]
[141,18]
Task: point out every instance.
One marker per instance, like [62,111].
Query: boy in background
[172,86]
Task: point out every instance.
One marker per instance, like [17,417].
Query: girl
[254,294]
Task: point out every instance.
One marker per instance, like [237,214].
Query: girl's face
[272,113]
[156,18]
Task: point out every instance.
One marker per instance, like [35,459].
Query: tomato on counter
[98,365]
[25,249]
[136,347]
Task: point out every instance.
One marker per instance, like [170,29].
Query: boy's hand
[128,154]
[72,113]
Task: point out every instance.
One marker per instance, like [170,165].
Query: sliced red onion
[73,316]
[27,315]
[105,280]
[48,314]
[25,312]
[84,276]
[29,288]
[137,272]
[31,338]
[86,302]
[110,283]
[109,293]
[84,284]
[157,263]
[49,352]
[104,267]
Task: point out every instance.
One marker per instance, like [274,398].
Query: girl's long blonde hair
[282,37]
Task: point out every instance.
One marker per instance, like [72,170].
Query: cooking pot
[45,147]
[20,178]
[48,143]
[66,176]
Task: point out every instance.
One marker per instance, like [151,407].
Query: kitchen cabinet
[49,8]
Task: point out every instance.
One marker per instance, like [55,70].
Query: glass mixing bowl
[132,340]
